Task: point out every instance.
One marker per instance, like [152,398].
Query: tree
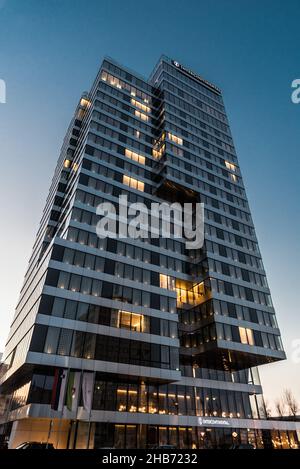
[291,402]
[280,407]
[268,409]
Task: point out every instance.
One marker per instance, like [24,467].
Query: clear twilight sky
[50,52]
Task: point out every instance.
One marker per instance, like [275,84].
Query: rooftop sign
[197,77]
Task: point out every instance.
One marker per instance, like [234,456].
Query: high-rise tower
[123,342]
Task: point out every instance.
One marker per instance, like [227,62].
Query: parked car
[35,445]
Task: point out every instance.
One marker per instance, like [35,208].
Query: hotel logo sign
[196,77]
[209,422]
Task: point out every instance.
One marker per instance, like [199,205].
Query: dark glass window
[245,275]
[154,325]
[249,294]
[52,277]
[38,338]
[154,301]
[222,250]
[228,289]
[231,310]
[58,307]
[46,304]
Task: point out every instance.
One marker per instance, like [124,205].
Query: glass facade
[152,327]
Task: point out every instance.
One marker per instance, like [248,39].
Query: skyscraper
[122,342]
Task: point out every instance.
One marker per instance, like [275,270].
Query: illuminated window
[165,281]
[158,153]
[134,156]
[67,163]
[134,183]
[175,139]
[122,399]
[233,177]
[230,166]
[141,116]
[246,336]
[104,76]
[75,167]
[140,105]
[114,81]
[111,80]
[84,102]
[191,294]
[131,321]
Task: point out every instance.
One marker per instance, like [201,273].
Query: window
[131,321]
[113,81]
[134,183]
[96,287]
[86,285]
[63,280]
[230,166]
[175,139]
[84,102]
[77,344]
[141,116]
[134,156]
[249,294]
[67,163]
[140,105]
[75,283]
[70,310]
[89,346]
[58,307]
[65,340]
[51,340]
[157,153]
[165,281]
[246,336]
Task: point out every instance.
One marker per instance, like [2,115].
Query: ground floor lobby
[74,434]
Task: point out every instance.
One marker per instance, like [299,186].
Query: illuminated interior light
[230,166]
[141,116]
[134,183]
[175,139]
[67,163]
[135,156]
[140,105]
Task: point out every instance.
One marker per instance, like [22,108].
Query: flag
[62,396]
[73,390]
[58,389]
[87,390]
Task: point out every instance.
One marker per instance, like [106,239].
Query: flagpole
[89,432]
[49,433]
[63,400]
[89,415]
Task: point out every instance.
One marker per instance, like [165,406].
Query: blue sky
[50,52]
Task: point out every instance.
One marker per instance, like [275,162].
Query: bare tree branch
[268,408]
[291,402]
[280,407]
